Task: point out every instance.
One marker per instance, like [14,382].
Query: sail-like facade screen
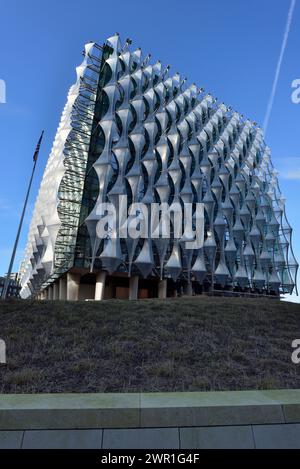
[132,134]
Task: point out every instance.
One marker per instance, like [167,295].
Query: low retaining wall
[239,419]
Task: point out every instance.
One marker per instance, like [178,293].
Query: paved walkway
[238,437]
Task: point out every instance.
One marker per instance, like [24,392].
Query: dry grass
[187,344]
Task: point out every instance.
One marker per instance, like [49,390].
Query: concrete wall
[241,419]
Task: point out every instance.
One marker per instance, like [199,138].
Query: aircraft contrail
[279,63]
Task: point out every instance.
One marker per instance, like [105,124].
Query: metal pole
[7,280]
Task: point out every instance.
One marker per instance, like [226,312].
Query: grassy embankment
[186,344]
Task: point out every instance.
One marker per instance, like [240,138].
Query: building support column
[100,285]
[55,291]
[188,289]
[63,288]
[162,289]
[73,285]
[50,293]
[133,287]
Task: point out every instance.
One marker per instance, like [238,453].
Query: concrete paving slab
[10,439]
[286,436]
[62,439]
[236,437]
[141,438]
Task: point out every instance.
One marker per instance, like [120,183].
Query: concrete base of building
[83,285]
[50,292]
[56,291]
[73,286]
[133,287]
[100,285]
[162,289]
[63,288]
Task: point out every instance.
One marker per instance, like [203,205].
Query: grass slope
[186,344]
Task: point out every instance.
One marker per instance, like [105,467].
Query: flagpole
[12,259]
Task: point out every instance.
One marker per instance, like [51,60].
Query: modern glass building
[133,133]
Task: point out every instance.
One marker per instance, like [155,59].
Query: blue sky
[230,47]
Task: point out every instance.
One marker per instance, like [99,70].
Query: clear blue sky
[230,47]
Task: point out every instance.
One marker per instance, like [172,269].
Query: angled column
[133,287]
[63,288]
[73,285]
[56,291]
[162,289]
[100,285]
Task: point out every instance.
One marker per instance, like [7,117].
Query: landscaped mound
[185,344]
